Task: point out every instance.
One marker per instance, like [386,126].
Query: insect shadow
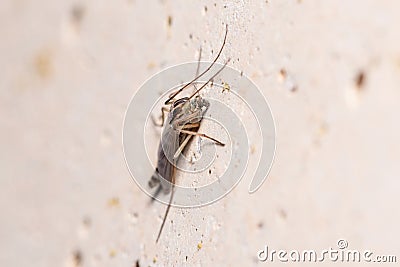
[185,115]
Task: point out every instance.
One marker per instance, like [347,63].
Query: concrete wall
[329,69]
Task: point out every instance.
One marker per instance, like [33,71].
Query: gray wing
[166,163]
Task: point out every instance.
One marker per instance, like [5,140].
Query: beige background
[69,68]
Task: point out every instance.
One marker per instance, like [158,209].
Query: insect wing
[166,162]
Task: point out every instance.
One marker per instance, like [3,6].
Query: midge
[183,122]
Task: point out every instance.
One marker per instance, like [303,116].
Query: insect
[183,122]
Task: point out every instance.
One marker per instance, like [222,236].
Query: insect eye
[177,111]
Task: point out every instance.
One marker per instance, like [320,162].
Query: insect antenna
[209,80]
[201,74]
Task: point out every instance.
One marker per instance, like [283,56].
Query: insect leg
[182,146]
[178,122]
[202,135]
[191,125]
[198,62]
[174,93]
[163,110]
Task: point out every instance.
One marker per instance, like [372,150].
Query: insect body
[183,122]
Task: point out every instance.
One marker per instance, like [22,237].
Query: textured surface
[329,69]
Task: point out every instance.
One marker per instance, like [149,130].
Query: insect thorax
[189,111]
